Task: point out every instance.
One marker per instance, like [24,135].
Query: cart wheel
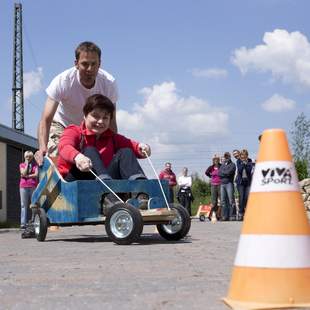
[40,224]
[202,217]
[124,223]
[179,226]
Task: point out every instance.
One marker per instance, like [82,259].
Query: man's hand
[38,156]
[144,148]
[82,162]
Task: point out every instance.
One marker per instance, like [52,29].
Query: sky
[195,78]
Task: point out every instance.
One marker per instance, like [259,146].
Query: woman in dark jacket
[243,180]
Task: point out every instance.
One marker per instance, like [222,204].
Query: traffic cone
[272,264]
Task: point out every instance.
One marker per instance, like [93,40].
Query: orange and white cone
[272,264]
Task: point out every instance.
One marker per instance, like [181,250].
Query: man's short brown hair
[87,47]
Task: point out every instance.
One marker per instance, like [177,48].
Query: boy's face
[98,121]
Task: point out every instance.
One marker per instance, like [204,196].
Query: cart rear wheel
[179,226]
[124,223]
[40,224]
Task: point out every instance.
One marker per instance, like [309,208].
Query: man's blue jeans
[227,200]
[244,191]
[25,200]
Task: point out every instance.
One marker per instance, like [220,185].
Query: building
[13,144]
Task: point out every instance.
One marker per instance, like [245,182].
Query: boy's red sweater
[76,137]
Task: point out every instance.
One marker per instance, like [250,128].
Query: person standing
[66,96]
[184,195]
[227,174]
[243,181]
[169,175]
[213,173]
[28,182]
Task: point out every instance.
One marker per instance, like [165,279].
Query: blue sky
[195,77]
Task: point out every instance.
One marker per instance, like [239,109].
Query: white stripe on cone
[273,251]
[275,176]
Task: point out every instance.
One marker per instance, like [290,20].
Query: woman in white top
[184,195]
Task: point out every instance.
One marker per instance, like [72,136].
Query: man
[236,154]
[227,174]
[67,94]
[169,175]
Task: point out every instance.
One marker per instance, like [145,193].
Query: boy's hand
[82,162]
[144,148]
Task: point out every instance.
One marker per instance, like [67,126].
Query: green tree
[300,140]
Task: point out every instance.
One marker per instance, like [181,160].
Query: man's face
[88,65]
[236,155]
[98,121]
[168,166]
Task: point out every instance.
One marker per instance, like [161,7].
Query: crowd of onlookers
[230,185]
[226,176]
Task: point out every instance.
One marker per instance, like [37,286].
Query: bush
[301,169]
[201,191]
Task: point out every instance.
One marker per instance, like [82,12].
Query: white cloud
[215,73]
[173,125]
[32,82]
[277,103]
[286,55]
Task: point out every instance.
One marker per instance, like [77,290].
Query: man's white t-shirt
[66,89]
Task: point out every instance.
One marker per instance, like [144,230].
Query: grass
[8,225]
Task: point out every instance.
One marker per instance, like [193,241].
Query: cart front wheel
[124,223]
[40,224]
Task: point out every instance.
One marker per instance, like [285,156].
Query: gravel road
[80,268]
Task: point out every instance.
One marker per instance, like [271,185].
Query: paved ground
[79,268]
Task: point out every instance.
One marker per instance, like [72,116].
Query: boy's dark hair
[87,47]
[100,102]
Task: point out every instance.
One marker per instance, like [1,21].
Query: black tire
[40,224]
[202,217]
[179,227]
[124,223]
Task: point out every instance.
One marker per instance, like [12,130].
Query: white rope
[161,187]
[109,188]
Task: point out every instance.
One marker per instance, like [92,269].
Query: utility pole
[17,88]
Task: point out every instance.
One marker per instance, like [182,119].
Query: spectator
[236,154]
[185,196]
[243,181]
[67,94]
[168,174]
[28,182]
[213,173]
[227,173]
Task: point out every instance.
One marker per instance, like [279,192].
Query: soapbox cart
[56,202]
